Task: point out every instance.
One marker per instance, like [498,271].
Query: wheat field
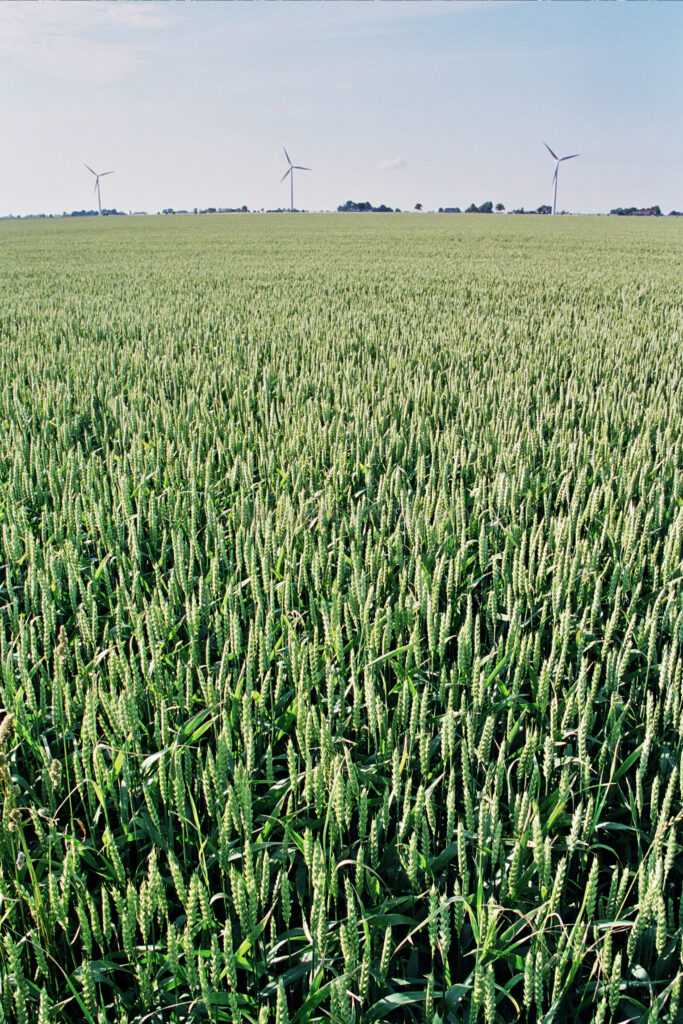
[341,620]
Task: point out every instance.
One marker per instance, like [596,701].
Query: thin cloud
[69,40]
[351,20]
[136,15]
[396,163]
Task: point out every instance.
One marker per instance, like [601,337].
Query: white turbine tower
[558,160]
[102,174]
[290,171]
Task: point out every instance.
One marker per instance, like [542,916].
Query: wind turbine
[102,174]
[558,160]
[290,171]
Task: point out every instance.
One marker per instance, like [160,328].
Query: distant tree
[418,206]
[499,208]
[544,209]
[472,209]
[635,211]
[350,207]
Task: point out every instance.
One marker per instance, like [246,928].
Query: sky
[443,103]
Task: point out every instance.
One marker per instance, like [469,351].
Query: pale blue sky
[443,103]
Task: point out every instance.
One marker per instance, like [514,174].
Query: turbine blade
[553,155]
[96,184]
[556,170]
[102,175]
[284,176]
[297,167]
[569,157]
[287,155]
[90,169]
